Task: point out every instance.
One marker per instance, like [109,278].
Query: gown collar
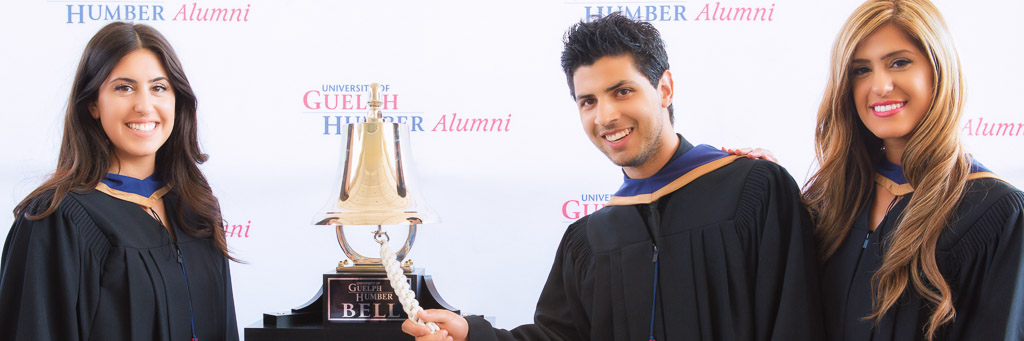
[890,176]
[144,192]
[688,163]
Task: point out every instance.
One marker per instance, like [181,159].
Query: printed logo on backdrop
[987,128]
[338,104]
[233,230]
[80,12]
[586,204]
[677,11]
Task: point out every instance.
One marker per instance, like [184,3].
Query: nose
[143,102]
[881,83]
[607,114]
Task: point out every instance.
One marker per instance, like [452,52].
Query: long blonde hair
[934,162]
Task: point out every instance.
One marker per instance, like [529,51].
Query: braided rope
[401,285]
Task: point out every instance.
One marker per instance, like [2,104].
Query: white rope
[401,285]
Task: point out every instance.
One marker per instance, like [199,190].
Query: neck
[139,168]
[894,150]
[669,144]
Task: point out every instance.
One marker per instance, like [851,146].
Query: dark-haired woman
[919,240]
[124,241]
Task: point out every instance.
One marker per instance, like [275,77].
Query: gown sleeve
[991,280]
[787,298]
[39,279]
[231,324]
[560,314]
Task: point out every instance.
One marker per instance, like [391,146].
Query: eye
[586,102]
[900,63]
[123,88]
[623,91]
[859,70]
[160,88]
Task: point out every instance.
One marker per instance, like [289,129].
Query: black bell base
[333,331]
[313,320]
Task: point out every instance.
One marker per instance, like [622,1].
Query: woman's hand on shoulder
[753,153]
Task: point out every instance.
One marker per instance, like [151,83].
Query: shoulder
[766,173]
[754,175]
[70,225]
[70,207]
[743,179]
[575,256]
[986,199]
[765,183]
[575,241]
[988,190]
[987,211]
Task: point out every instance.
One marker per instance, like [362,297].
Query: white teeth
[618,136]
[142,126]
[888,107]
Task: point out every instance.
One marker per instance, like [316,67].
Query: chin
[617,160]
[889,135]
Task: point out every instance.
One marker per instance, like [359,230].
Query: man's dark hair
[615,35]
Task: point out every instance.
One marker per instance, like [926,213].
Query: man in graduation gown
[695,245]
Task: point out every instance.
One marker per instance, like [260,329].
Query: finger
[767,155]
[435,315]
[414,329]
[440,336]
[434,337]
[429,338]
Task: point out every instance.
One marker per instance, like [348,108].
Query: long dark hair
[85,154]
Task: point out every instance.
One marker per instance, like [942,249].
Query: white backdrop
[501,194]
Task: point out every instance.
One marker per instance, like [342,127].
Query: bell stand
[362,263]
[311,312]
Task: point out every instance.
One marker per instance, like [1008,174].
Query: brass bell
[374,186]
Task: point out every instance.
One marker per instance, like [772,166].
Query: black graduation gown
[100,268]
[979,255]
[736,263]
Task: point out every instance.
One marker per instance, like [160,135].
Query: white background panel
[500,194]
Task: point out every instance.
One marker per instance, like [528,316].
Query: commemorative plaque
[368,296]
[363,297]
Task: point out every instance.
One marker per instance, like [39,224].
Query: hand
[753,153]
[453,327]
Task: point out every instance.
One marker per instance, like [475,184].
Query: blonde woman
[918,240]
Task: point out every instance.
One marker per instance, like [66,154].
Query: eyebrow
[886,56]
[608,89]
[129,80]
[617,85]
